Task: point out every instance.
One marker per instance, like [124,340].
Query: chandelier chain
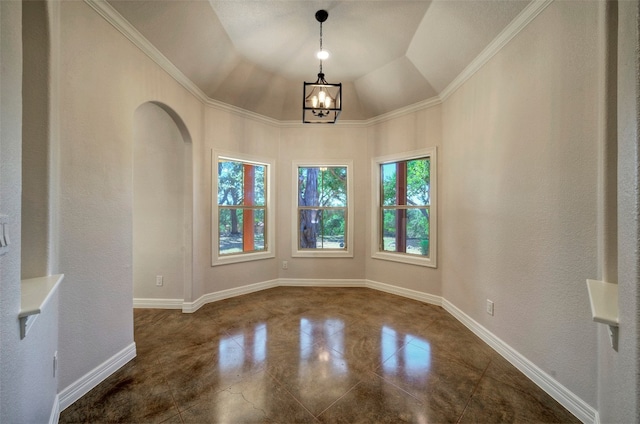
[320,46]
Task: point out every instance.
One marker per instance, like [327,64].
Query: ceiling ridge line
[104,9]
[528,14]
[519,23]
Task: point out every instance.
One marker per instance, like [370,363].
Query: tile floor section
[307,355]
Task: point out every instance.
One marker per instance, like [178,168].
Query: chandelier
[322,102]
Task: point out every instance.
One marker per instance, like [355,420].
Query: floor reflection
[276,356]
[321,343]
[413,356]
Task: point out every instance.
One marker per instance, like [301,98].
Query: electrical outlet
[159,281]
[489,307]
[285,265]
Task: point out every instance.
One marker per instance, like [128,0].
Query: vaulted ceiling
[255,54]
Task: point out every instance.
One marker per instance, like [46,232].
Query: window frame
[270,213]
[376,208]
[347,252]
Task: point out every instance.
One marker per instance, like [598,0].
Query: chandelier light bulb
[321,101]
[322,55]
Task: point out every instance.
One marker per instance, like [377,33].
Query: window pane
[389,230]
[326,186]
[406,231]
[308,190]
[333,186]
[309,225]
[230,230]
[418,182]
[258,230]
[388,179]
[322,229]
[417,231]
[259,185]
[332,229]
[230,183]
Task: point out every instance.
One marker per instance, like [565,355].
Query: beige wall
[104,78]
[28,387]
[159,214]
[517,146]
[231,133]
[411,132]
[318,143]
[519,193]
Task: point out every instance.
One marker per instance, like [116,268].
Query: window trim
[376,253]
[296,252]
[270,213]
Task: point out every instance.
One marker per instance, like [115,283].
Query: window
[404,227]
[242,221]
[323,225]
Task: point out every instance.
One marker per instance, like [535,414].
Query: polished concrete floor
[305,355]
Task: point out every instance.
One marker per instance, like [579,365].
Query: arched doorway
[162,218]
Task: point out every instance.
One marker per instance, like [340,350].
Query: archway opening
[162,199]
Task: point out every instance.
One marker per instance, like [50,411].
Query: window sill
[407,259]
[35,294]
[322,254]
[239,258]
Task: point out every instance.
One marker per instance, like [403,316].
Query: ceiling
[255,54]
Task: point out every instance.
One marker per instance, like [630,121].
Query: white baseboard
[190,307]
[408,293]
[55,411]
[90,380]
[320,282]
[141,303]
[578,407]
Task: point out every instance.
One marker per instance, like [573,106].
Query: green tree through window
[241,207]
[405,206]
[322,207]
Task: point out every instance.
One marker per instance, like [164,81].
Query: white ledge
[604,302]
[35,294]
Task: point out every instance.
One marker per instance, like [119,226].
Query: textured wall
[418,130]
[619,376]
[10,182]
[517,154]
[232,133]
[158,204]
[105,79]
[318,143]
[27,385]
[519,193]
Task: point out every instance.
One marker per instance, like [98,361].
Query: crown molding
[339,123]
[424,104]
[216,104]
[523,19]
[112,16]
